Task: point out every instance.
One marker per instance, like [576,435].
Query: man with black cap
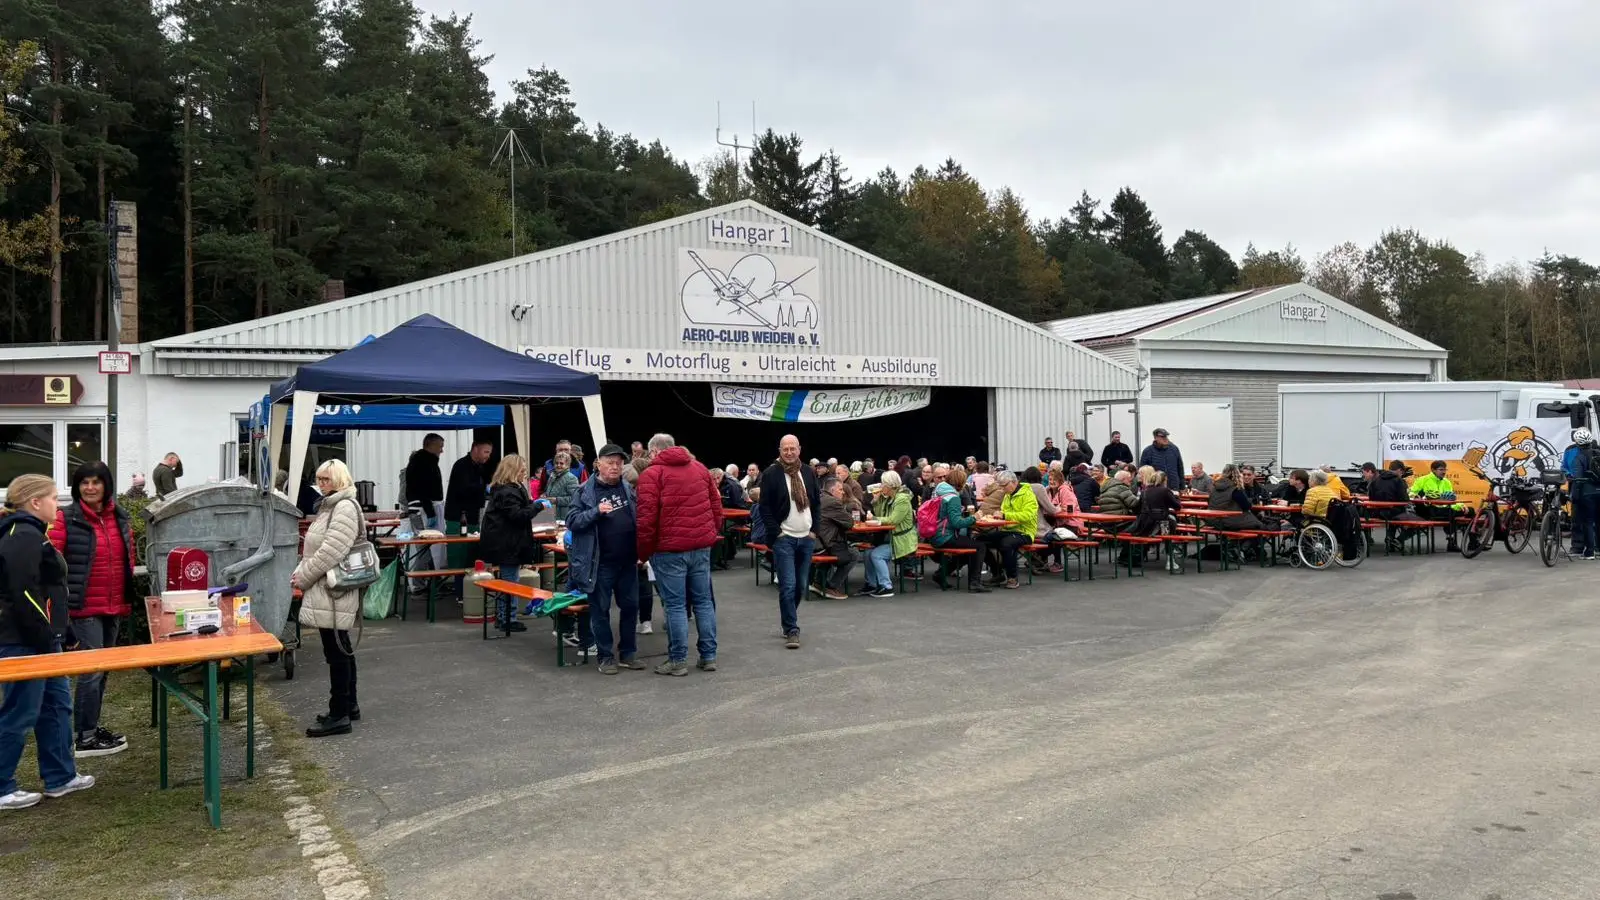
[601,559]
[1163,456]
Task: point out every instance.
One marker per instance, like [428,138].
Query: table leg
[162,711]
[250,717]
[155,693]
[402,587]
[213,749]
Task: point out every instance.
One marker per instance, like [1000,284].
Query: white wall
[192,417]
[1022,417]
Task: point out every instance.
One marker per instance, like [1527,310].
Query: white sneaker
[78,783]
[645,628]
[20,800]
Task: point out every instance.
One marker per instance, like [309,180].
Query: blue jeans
[621,579]
[683,579]
[1585,505]
[45,708]
[791,565]
[878,559]
[505,605]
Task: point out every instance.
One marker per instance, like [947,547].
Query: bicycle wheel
[1479,533]
[1317,546]
[1550,537]
[1519,528]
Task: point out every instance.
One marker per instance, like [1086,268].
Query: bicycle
[1480,530]
[1555,511]
[1521,513]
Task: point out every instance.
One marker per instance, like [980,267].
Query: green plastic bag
[378,601]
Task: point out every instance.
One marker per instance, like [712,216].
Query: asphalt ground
[1414,728]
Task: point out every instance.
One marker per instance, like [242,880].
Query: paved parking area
[1410,729]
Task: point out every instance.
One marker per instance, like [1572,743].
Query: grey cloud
[1310,122]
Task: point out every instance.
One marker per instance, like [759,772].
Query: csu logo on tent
[320,410]
[446,409]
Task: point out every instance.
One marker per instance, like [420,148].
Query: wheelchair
[1336,539]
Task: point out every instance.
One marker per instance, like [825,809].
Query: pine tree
[838,196]
[1199,267]
[1133,231]
[781,180]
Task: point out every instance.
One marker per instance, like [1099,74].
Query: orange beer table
[166,659]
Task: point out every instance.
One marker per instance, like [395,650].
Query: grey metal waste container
[232,522]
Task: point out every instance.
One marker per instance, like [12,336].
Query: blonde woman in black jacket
[33,621]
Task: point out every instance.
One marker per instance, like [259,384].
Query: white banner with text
[735,401]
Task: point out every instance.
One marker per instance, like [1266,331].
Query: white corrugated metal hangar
[1223,357]
[739,296]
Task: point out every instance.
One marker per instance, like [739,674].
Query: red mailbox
[188,569]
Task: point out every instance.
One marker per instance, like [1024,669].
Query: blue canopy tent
[425,361]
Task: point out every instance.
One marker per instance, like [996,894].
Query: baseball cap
[612,450]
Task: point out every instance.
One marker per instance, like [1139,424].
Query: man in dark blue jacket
[602,558]
[1163,456]
[1581,462]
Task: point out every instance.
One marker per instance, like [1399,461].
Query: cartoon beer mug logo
[1473,458]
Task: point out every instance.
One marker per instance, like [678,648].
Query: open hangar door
[954,425]
[1101,417]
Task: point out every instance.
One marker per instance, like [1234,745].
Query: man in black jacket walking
[463,503]
[1116,452]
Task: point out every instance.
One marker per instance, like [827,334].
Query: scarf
[797,485]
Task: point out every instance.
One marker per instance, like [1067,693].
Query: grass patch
[127,840]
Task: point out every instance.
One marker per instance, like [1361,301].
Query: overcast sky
[1312,123]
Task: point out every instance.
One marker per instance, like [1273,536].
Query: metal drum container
[248,537]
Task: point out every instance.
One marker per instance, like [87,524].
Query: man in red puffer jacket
[679,520]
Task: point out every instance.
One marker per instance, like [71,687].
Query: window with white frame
[53,447]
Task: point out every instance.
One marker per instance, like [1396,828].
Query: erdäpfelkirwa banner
[733,401]
[1476,450]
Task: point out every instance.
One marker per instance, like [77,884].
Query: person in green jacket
[891,505]
[954,531]
[1434,486]
[562,490]
[1013,529]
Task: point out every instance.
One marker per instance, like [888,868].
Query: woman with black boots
[329,539]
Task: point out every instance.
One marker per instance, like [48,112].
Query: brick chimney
[332,290]
[127,263]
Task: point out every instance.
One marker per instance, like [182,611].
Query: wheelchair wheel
[1317,546]
[1360,541]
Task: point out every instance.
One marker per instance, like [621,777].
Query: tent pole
[519,423]
[278,423]
[305,413]
[597,421]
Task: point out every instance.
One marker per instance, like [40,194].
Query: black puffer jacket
[507,537]
[80,552]
[33,586]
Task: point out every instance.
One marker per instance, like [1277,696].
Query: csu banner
[1475,451]
[731,401]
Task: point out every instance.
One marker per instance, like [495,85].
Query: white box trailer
[1341,424]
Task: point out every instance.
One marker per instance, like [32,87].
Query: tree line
[274,146]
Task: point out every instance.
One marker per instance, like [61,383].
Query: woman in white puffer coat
[337,527]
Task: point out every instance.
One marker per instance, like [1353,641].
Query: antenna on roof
[511,148]
[736,145]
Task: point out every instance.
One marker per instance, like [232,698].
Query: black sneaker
[792,640]
[882,593]
[97,746]
[110,735]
